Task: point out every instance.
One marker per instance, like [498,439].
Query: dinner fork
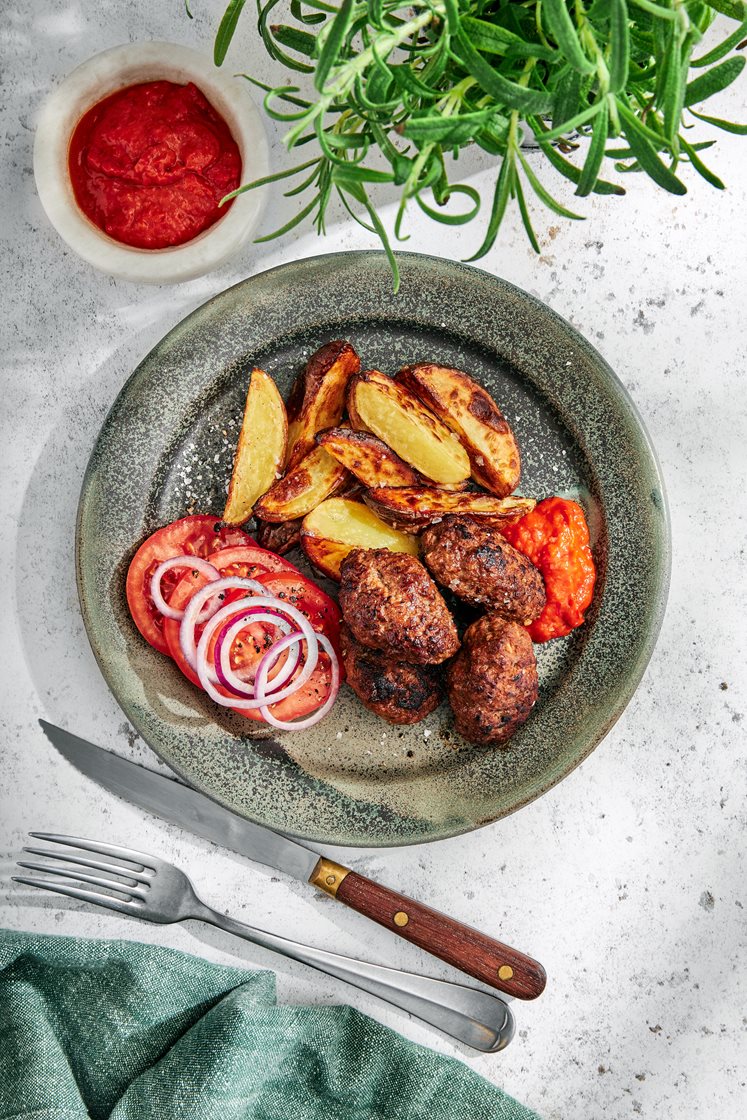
[148,887]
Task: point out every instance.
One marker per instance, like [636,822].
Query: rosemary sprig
[396,89]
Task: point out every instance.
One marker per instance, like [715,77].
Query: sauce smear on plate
[555,537]
[150,163]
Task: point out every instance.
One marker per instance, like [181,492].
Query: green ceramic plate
[166,449]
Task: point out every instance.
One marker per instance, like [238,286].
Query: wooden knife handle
[459,945]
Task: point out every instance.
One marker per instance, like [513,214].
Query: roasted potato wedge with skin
[339,525]
[368,458]
[457,487]
[380,405]
[471,412]
[315,478]
[411,508]
[282,536]
[325,384]
[293,407]
[261,448]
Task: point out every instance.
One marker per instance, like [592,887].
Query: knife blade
[461,946]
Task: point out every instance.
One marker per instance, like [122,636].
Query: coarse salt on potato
[367,457]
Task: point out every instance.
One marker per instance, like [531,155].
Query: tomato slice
[324,615]
[244,561]
[200,535]
[301,703]
[321,611]
[309,696]
[249,562]
[283,580]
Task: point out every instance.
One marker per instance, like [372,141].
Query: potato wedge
[282,536]
[470,411]
[293,407]
[325,383]
[367,457]
[338,525]
[315,478]
[395,415]
[411,508]
[457,486]
[261,448]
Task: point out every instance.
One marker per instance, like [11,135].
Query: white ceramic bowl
[104,74]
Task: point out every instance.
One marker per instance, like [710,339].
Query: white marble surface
[627,880]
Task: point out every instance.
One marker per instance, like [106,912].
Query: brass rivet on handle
[505,972]
[400,918]
[328,875]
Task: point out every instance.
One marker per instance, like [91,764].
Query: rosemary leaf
[619,46]
[563,31]
[332,43]
[504,91]
[544,195]
[723,48]
[226,30]
[725,126]
[453,219]
[595,154]
[518,190]
[714,80]
[735,9]
[700,167]
[500,202]
[646,154]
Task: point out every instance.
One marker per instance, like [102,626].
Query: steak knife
[459,945]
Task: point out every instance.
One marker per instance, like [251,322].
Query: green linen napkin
[137,1032]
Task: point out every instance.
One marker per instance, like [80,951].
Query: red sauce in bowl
[555,537]
[150,163]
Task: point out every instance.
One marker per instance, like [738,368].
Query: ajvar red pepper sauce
[150,164]
[555,537]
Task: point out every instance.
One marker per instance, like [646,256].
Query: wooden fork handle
[459,945]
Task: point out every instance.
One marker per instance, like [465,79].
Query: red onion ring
[194,607]
[204,672]
[227,675]
[275,616]
[184,561]
[260,682]
[224,673]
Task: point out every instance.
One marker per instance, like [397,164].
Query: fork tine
[96,865]
[101,849]
[83,896]
[83,877]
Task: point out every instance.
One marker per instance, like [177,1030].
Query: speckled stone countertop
[628,880]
